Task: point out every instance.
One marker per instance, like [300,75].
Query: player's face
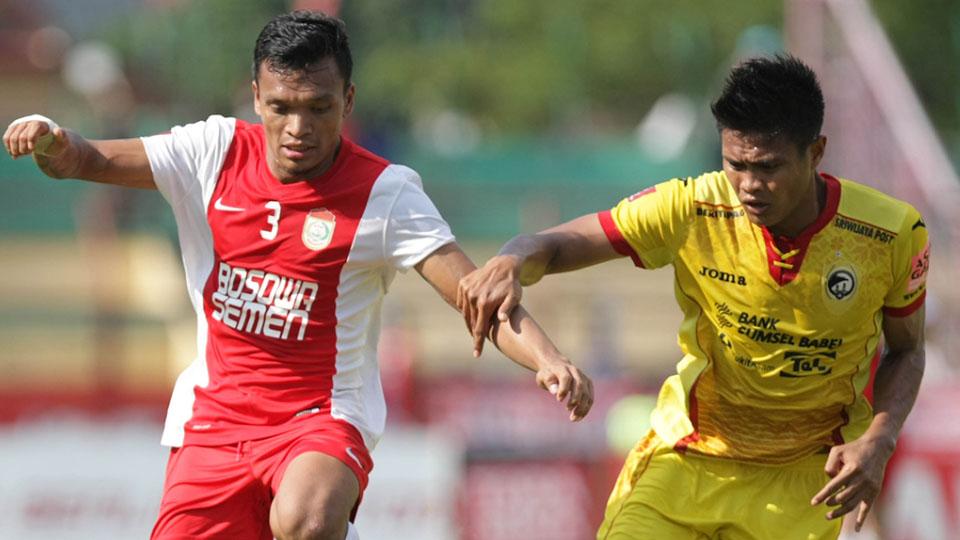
[775,180]
[302,114]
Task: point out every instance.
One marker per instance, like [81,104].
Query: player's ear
[348,96]
[816,150]
[256,97]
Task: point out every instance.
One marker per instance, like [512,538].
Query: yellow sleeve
[911,262]
[650,226]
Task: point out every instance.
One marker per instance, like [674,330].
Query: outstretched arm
[524,260]
[857,468]
[61,153]
[521,339]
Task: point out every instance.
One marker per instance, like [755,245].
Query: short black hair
[772,96]
[293,41]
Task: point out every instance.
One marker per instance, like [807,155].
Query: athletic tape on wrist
[36,117]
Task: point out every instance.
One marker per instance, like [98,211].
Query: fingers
[554,380]
[509,303]
[847,505]
[862,515]
[483,294]
[849,488]
[11,140]
[21,139]
[476,313]
[482,313]
[470,310]
[835,484]
[567,383]
[846,499]
[585,400]
[834,462]
[473,320]
[833,468]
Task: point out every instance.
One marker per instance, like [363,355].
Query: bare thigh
[315,498]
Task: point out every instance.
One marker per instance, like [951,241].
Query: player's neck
[806,212]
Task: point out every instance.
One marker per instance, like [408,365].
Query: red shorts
[226,491]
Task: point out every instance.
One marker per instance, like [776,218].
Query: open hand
[856,470]
[492,289]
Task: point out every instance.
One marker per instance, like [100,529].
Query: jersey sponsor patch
[807,363]
[318,229]
[919,265]
[263,303]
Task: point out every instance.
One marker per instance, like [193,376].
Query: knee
[299,523]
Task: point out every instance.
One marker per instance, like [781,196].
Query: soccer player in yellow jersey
[787,278]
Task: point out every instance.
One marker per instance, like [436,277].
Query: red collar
[785,254]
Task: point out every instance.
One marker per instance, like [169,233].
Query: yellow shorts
[664,495]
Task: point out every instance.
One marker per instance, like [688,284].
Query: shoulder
[214,127]
[394,177]
[242,128]
[361,165]
[713,189]
[363,157]
[874,208]
[680,196]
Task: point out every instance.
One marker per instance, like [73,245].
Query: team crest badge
[318,229]
[841,283]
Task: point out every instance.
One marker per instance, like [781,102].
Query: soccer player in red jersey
[787,278]
[290,235]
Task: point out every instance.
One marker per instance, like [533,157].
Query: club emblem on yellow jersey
[841,283]
[318,229]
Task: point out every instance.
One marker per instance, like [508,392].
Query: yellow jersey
[778,333]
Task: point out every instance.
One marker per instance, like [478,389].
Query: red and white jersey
[286,280]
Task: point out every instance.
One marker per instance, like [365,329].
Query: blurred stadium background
[518,115]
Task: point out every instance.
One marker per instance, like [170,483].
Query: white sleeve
[414,226]
[189,158]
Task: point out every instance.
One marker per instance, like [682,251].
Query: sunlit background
[518,115]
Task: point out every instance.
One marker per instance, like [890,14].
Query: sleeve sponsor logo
[919,266]
[263,303]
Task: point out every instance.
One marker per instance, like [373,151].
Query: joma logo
[719,275]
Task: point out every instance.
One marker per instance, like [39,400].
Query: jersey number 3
[273,220]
